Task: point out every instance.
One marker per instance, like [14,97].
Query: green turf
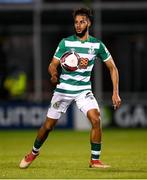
[65,155]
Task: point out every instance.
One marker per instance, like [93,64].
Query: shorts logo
[56,105]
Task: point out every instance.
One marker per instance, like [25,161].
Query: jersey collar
[82,41]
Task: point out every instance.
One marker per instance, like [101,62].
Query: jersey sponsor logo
[83,63]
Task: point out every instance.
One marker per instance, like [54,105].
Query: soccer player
[76,86]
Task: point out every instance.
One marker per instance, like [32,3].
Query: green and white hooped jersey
[72,83]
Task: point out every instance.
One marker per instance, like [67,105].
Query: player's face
[81,24]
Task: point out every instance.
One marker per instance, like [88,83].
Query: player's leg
[43,132]
[96,131]
[89,106]
[95,138]
[59,105]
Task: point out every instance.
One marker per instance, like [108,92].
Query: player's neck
[84,38]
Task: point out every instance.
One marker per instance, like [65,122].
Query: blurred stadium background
[29,34]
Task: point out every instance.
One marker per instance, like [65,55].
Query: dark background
[122,27]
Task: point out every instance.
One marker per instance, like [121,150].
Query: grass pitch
[65,155]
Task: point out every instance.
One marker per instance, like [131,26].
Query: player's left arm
[116,100]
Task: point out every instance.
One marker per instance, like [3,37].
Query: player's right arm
[52,69]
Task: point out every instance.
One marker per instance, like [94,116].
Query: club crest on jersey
[91,50]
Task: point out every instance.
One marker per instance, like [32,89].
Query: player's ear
[89,23]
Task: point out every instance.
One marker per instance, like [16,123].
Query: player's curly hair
[84,11]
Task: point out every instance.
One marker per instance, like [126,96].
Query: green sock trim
[97,149]
[96,146]
[37,144]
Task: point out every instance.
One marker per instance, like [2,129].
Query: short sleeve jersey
[72,83]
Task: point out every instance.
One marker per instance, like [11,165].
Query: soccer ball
[70,61]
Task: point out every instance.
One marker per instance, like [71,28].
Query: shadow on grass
[119,170]
[53,166]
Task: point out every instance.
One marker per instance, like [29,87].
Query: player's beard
[81,34]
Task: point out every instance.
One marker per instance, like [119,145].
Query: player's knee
[48,128]
[96,121]
[49,124]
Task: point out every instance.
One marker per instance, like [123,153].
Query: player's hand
[54,79]
[116,100]
[83,63]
